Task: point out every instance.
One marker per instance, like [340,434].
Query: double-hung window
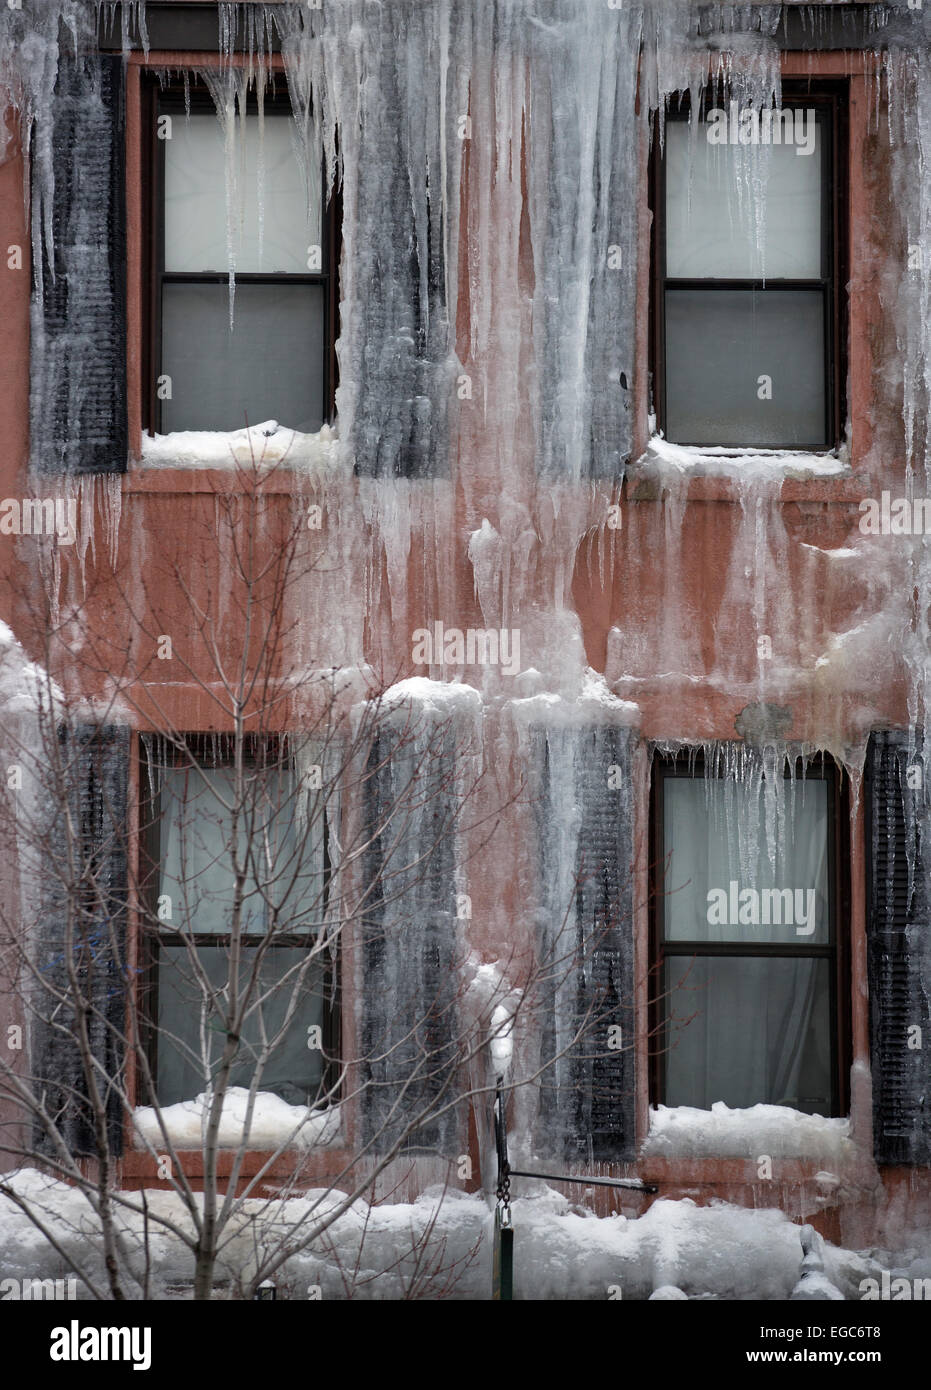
[748,942]
[747,310]
[204,827]
[244,199]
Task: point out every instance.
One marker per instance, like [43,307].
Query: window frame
[833,97]
[836,950]
[150,940]
[169,99]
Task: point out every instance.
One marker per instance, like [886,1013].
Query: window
[749,978]
[747,326]
[267,353]
[285,962]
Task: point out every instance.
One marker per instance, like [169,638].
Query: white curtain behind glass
[286,863]
[762,1026]
[274,216]
[197,867]
[735,212]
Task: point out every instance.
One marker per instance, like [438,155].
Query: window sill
[139,1166]
[723,475]
[682,1174]
[267,454]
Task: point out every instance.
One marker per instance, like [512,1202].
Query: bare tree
[178,975]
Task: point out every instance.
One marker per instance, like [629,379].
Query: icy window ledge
[275,1124]
[684,1132]
[268,445]
[661,457]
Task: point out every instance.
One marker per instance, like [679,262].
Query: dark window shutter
[587,1096]
[84,920]
[409,942]
[400,358]
[78,416]
[899,956]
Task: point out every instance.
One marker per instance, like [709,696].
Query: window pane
[720,343]
[760,1033]
[270,367]
[742,866]
[197,868]
[718,195]
[293,1071]
[273,207]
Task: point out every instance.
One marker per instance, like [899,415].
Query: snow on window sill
[274,1123]
[665,458]
[775,1130]
[260,447]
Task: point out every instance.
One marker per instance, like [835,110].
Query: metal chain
[503,1190]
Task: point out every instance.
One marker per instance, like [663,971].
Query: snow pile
[684,1132]
[433,699]
[264,446]
[661,456]
[492,1003]
[814,1285]
[718,1251]
[274,1123]
[439,1245]
[25,688]
[595,692]
[501,1040]
[592,701]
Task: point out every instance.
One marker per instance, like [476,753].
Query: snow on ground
[440,1245]
[683,1132]
[274,1123]
[263,446]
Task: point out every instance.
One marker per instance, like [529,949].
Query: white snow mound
[684,1132]
[274,1122]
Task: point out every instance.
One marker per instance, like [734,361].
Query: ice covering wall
[405,147]
[411,953]
[494,390]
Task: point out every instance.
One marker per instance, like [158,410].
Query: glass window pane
[196,844]
[191,1039]
[273,220]
[269,367]
[745,368]
[744,865]
[744,211]
[759,1032]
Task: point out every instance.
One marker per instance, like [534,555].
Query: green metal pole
[503,1260]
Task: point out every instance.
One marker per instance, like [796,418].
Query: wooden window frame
[150,941]
[836,950]
[832,96]
[169,99]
